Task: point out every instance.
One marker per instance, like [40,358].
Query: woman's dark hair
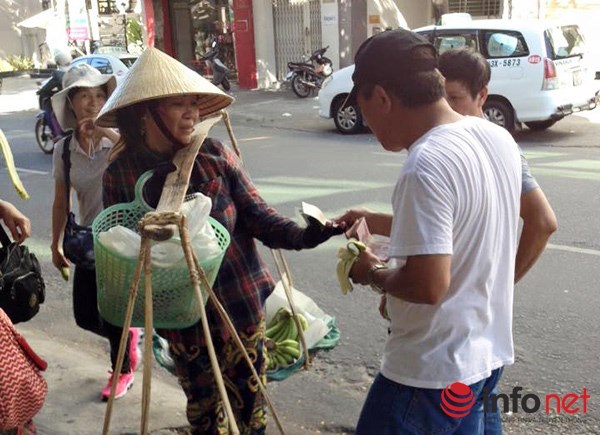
[129,123]
[466,66]
[416,90]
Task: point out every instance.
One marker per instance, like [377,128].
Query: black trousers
[87,316]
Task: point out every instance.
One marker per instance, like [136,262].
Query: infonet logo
[458,399]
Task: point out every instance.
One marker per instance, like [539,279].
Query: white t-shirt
[86,175]
[458,194]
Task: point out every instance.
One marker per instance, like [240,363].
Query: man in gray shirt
[467,75]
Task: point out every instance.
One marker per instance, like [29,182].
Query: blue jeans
[396,409]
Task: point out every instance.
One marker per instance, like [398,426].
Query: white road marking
[30,171]
[573,249]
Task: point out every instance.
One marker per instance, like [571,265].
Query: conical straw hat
[156,75]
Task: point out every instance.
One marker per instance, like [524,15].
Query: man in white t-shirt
[453,238]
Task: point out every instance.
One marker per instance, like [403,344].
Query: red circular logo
[457,400]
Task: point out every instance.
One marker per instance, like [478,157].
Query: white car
[541,72]
[332,96]
[115,63]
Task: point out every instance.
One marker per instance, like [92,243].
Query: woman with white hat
[84,93]
[155,108]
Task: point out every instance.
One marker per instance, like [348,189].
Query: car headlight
[326,82]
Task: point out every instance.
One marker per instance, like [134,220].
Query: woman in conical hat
[155,108]
[84,93]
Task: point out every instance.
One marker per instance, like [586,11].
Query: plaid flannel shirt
[243,282]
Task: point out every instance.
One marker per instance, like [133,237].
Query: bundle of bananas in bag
[282,339]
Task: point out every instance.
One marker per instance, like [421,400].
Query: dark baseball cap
[387,56]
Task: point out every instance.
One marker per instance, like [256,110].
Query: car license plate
[577,80]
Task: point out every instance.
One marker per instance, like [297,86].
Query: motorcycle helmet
[62,59]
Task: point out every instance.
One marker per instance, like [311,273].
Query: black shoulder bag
[22,287]
[78,243]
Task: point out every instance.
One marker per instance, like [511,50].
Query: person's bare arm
[110,133]
[59,220]
[539,222]
[424,279]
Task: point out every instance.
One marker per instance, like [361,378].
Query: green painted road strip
[565,173]
[279,190]
[585,165]
[532,155]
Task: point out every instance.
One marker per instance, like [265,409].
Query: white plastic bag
[169,253]
[316,317]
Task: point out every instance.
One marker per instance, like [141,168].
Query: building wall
[417,13]
[264,44]
[15,40]
[383,14]
[330,31]
[523,9]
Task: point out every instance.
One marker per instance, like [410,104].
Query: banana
[293,352]
[303,321]
[346,257]
[271,363]
[288,343]
[10,166]
[65,272]
[281,314]
[283,333]
[284,356]
[279,359]
[274,329]
[292,332]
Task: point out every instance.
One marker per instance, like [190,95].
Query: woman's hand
[16,222]
[316,233]
[88,129]
[58,258]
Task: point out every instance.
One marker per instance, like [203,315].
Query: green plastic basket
[175,305]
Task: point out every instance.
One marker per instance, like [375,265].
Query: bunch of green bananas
[281,344]
[281,354]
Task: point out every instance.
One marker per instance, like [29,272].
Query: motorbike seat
[299,64]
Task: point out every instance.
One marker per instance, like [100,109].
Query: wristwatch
[376,288]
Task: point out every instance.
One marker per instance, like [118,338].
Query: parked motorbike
[308,75]
[218,68]
[47,130]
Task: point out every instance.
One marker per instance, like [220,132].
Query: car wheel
[500,113]
[348,120]
[541,125]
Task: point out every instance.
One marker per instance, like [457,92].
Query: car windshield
[565,41]
[128,61]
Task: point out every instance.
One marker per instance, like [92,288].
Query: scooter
[47,130]
[309,75]
[218,68]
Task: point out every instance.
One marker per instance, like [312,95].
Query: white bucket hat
[79,76]
[157,75]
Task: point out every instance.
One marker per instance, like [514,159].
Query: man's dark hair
[466,66]
[418,89]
